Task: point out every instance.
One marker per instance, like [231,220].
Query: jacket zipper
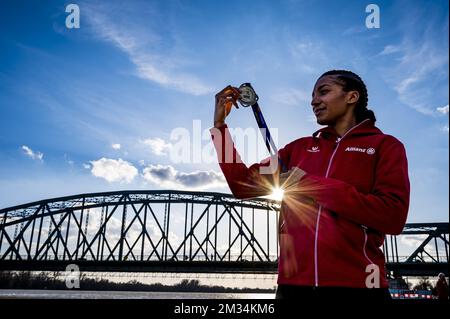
[364,228]
[316,272]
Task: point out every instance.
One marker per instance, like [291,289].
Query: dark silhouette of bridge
[175,231]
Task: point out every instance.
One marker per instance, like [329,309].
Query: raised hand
[225,99]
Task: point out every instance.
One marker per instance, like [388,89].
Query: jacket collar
[365,127]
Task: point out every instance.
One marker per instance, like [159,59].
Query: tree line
[54,281]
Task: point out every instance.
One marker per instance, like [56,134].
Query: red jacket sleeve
[245,182]
[384,209]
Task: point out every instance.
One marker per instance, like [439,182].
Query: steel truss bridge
[176,231]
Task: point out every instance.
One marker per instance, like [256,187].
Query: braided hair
[352,82]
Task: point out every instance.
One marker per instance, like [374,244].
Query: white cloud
[159,173]
[291,96]
[68,160]
[309,56]
[443,110]
[389,49]
[158,146]
[354,30]
[114,170]
[412,240]
[32,154]
[116,146]
[148,69]
[150,64]
[418,72]
[168,176]
[86,166]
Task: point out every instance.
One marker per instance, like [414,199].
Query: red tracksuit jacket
[332,226]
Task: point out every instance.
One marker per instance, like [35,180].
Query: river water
[83,294]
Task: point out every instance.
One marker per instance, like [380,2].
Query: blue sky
[93,109]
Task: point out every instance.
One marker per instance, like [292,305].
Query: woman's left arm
[384,209]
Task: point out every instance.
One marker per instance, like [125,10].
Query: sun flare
[277,194]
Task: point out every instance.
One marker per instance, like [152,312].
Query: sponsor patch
[369,150]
